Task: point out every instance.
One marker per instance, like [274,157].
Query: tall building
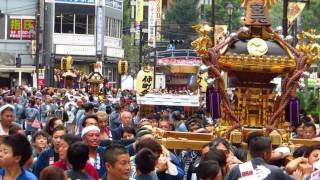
[74,34]
[17,29]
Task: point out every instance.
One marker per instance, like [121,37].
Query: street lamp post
[229,8]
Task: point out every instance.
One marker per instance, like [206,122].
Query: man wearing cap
[91,136]
[6,118]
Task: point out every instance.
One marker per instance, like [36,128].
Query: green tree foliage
[131,51]
[126,16]
[221,14]
[179,20]
[311,16]
[310,102]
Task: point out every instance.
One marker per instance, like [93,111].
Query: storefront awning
[27,69]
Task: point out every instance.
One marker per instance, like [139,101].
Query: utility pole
[285,18]
[213,21]
[37,57]
[140,46]
[49,16]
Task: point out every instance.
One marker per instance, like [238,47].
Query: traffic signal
[177,42]
[18,61]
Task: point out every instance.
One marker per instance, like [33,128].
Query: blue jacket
[25,175]
[46,158]
[101,169]
[117,133]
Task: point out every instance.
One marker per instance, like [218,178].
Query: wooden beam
[188,135]
[182,144]
[306,142]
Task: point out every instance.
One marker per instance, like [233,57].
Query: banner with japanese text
[22,28]
[158,9]
[139,10]
[151,23]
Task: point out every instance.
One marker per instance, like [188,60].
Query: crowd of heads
[72,134]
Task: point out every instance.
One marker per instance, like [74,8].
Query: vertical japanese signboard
[22,27]
[158,8]
[139,10]
[100,21]
[151,23]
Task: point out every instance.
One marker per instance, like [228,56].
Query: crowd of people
[57,134]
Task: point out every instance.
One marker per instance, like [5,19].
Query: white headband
[88,129]
[6,106]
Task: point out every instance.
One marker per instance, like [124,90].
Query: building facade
[75,34]
[17,29]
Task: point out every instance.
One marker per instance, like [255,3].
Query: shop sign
[139,10]
[116,4]
[179,61]
[115,52]
[88,40]
[21,28]
[76,50]
[91,2]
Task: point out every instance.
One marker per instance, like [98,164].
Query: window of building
[77,23]
[58,23]
[67,23]
[91,24]
[113,27]
[81,24]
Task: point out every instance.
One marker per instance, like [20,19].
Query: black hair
[37,134]
[88,107]
[130,130]
[194,121]
[176,115]
[302,151]
[87,117]
[113,151]
[20,147]
[208,169]
[310,124]
[214,143]
[58,128]
[50,124]
[14,128]
[259,145]
[70,139]
[253,135]
[151,144]
[145,161]
[216,155]
[78,155]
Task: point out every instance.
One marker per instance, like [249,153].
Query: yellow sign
[139,10]
[144,81]
[294,10]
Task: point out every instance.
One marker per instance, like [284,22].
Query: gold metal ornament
[257,47]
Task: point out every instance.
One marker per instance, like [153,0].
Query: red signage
[22,28]
[40,82]
[179,61]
